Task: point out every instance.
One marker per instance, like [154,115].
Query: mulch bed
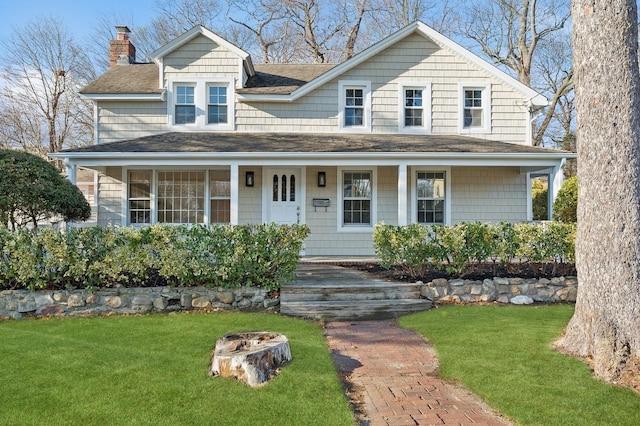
[475,272]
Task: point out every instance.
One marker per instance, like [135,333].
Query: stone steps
[338,292]
[360,310]
[332,293]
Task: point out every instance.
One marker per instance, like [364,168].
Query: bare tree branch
[40,109]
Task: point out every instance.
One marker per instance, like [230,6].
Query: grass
[504,355]
[152,370]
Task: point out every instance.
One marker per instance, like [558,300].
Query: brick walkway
[394,374]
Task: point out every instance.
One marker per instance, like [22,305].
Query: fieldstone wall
[519,291]
[16,304]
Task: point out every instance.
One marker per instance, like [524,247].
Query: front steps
[332,293]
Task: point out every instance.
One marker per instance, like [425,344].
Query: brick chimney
[121,50]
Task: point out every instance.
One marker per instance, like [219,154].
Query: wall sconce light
[322,179]
[248,179]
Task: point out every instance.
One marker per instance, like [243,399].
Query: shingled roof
[179,142]
[274,79]
[282,79]
[126,79]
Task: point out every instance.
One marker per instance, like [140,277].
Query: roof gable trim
[534,98]
[200,30]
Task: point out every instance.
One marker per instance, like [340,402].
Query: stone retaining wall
[520,291]
[17,304]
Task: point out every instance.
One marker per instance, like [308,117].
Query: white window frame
[126,206]
[201,98]
[374,200]
[217,197]
[447,191]
[226,104]
[485,88]
[174,210]
[343,85]
[154,192]
[176,104]
[426,107]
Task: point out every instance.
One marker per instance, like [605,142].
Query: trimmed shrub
[466,246]
[32,190]
[226,256]
[540,198]
[566,205]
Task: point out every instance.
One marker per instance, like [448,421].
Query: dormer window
[217,105]
[185,105]
[201,104]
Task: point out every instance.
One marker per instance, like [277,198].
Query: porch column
[556,179]
[71,171]
[235,186]
[402,195]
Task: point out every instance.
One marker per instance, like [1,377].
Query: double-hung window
[139,196]
[217,104]
[475,114]
[185,108]
[473,108]
[201,104]
[355,106]
[431,197]
[220,196]
[414,113]
[357,197]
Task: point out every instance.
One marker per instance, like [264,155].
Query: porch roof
[304,143]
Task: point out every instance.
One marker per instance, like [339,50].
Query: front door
[283,196]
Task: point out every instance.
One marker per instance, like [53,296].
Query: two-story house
[413,129]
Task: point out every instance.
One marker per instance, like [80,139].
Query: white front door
[283,195]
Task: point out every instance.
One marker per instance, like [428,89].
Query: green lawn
[503,354]
[152,370]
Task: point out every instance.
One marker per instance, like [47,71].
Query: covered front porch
[338,185]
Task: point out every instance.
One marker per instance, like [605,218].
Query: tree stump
[253,357]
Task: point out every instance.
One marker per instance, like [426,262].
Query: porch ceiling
[304,143]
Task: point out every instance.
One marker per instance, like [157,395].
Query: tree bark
[605,324]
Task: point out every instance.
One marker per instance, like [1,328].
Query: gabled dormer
[200,72]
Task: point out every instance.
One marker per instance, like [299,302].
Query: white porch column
[71,171]
[403,218]
[556,179]
[235,187]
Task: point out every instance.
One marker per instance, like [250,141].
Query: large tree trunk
[606,322]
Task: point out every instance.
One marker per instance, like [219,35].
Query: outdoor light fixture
[248,179]
[322,179]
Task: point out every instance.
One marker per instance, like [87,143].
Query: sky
[80,16]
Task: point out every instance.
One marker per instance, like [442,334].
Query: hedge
[226,256]
[566,205]
[418,248]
